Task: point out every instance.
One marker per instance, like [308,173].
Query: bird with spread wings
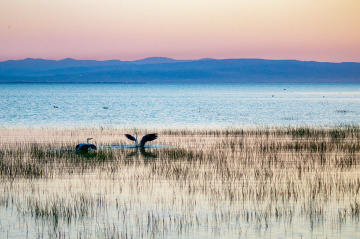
[146,138]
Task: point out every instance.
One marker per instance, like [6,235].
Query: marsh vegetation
[209,183]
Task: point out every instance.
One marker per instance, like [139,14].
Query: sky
[307,30]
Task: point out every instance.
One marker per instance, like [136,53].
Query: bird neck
[136,142]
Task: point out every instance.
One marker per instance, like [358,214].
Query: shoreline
[115,135]
[183,128]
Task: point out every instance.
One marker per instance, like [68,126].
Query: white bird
[146,138]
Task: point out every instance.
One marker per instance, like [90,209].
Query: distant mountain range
[167,70]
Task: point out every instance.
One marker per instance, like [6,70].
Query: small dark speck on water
[219,105]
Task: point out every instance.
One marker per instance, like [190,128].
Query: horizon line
[169,58]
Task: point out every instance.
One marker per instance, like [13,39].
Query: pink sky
[187,29]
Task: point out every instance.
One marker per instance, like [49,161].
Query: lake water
[177,106]
[169,106]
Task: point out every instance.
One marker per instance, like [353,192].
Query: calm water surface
[177,106]
[174,106]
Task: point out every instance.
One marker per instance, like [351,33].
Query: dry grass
[208,183]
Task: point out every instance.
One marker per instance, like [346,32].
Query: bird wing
[130,137]
[81,148]
[146,138]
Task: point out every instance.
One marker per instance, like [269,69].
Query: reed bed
[269,182]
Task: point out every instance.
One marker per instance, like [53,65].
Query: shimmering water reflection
[176,106]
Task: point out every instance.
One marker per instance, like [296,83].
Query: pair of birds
[91,147]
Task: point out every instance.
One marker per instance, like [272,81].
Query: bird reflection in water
[143,153]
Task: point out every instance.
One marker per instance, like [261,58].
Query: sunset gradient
[187,29]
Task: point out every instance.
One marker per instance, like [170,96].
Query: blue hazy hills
[167,70]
